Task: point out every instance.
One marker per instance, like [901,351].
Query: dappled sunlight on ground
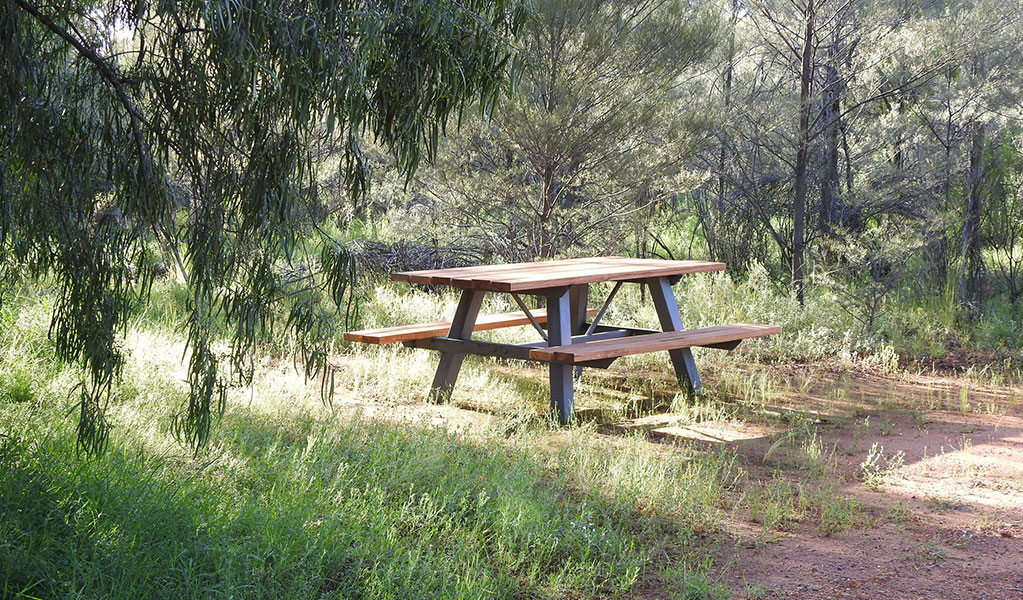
[943,498]
[924,473]
[668,426]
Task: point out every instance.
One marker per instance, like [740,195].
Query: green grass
[774,504]
[295,499]
[301,508]
[298,499]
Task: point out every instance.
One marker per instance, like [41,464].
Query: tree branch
[108,74]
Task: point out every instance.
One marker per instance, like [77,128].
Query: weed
[942,504]
[964,443]
[17,385]
[960,539]
[753,590]
[886,426]
[928,553]
[837,513]
[691,580]
[876,469]
[900,513]
[990,523]
[773,504]
[862,428]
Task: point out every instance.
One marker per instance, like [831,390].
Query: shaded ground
[939,508]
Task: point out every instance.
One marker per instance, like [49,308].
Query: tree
[817,41]
[1005,218]
[598,133]
[825,117]
[187,129]
[965,112]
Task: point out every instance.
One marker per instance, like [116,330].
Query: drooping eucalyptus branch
[194,130]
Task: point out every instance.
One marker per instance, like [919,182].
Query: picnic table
[570,339]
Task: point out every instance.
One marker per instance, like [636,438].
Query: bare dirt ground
[944,522]
[948,524]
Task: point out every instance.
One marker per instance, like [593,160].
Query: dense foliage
[597,135]
[141,137]
[867,149]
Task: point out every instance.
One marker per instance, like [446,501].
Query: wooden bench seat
[717,336]
[422,331]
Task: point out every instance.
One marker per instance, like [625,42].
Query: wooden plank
[607,334]
[446,344]
[457,272]
[513,351]
[590,274]
[640,344]
[420,331]
[442,276]
[557,273]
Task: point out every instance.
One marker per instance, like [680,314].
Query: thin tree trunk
[936,251]
[829,210]
[719,208]
[714,214]
[802,156]
[972,263]
[547,247]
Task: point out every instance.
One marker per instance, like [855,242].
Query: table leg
[559,333]
[578,297]
[451,362]
[671,320]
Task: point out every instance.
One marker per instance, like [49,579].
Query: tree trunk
[830,210]
[546,246]
[937,250]
[802,156]
[727,89]
[972,262]
[715,213]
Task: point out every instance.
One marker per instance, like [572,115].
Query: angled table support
[667,313]
[578,297]
[451,362]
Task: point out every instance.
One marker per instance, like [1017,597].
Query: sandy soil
[956,531]
[947,525]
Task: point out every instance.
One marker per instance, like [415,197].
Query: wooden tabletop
[556,273]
